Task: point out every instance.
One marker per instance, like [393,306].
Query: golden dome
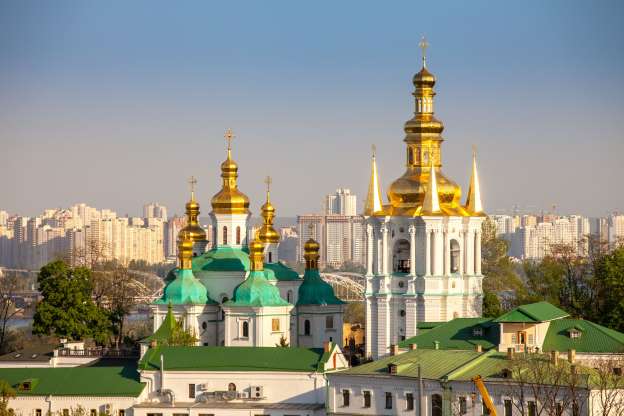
[267,233]
[192,229]
[424,152]
[229,200]
[311,254]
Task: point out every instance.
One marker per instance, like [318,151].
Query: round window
[204,325]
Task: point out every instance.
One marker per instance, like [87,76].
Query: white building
[342,202]
[424,247]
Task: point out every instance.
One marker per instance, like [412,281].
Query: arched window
[306,327]
[231,387]
[329,322]
[238,238]
[436,405]
[245,329]
[401,256]
[289,295]
[224,235]
[454,256]
[270,257]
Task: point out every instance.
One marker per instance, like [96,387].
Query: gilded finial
[268,181]
[192,182]
[229,136]
[474,151]
[374,150]
[423,44]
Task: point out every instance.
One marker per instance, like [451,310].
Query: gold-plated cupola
[193,231]
[229,200]
[423,139]
[267,233]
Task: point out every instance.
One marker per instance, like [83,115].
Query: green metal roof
[457,334]
[223,258]
[256,291]
[533,312]
[165,330]
[289,359]
[316,291]
[185,289]
[282,272]
[97,380]
[593,338]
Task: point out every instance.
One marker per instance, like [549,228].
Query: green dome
[316,291]
[184,289]
[257,291]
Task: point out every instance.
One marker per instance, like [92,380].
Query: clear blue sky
[116,103]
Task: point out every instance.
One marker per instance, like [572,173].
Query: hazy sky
[116,103]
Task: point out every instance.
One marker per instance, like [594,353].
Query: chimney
[394,349]
[554,357]
[510,353]
[326,346]
[436,345]
[572,356]
[478,348]
[412,347]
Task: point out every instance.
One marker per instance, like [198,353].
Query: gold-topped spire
[267,233]
[431,204]
[473,199]
[373,199]
[423,44]
[193,229]
[229,200]
[185,250]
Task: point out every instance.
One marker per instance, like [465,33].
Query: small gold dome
[193,229]
[185,249]
[311,254]
[256,254]
[229,200]
[267,233]
[424,78]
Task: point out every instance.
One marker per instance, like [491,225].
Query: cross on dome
[192,182]
[423,44]
[229,136]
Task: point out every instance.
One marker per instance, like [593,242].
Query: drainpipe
[162,373]
[421,397]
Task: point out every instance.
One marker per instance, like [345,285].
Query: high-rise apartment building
[536,241]
[155,210]
[342,202]
[616,229]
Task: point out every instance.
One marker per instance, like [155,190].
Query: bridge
[347,286]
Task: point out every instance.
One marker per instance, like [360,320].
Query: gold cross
[192,182]
[268,182]
[423,46]
[229,136]
[374,149]
[474,150]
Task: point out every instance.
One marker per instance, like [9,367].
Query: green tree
[283,342]
[6,392]
[67,309]
[491,305]
[609,277]
[354,313]
[499,272]
[181,337]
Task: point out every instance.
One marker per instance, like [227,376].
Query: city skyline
[140,111]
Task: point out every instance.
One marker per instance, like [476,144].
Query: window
[367,398]
[436,405]
[245,329]
[275,324]
[388,400]
[409,401]
[508,409]
[532,408]
[270,257]
[38,412]
[306,327]
[454,256]
[192,391]
[575,409]
[345,398]
[574,334]
[204,325]
[154,414]
[477,331]
[238,235]
[93,412]
[329,322]
[514,339]
[65,412]
[231,387]
[463,406]
[289,295]
[617,371]
[402,313]
[224,235]
[121,412]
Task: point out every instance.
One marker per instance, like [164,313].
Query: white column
[369,249]
[447,255]
[384,248]
[412,233]
[477,249]
[461,253]
[427,252]
[470,252]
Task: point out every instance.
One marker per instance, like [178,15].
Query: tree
[9,285]
[283,342]
[6,392]
[608,380]
[181,337]
[67,309]
[609,287]
[491,305]
[354,313]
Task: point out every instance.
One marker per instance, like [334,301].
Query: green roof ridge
[534,312]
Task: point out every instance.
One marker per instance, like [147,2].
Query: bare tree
[608,380]
[9,285]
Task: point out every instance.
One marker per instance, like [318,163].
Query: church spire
[473,200]
[229,200]
[431,205]
[195,232]
[267,233]
[373,199]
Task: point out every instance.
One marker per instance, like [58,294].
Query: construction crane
[485,396]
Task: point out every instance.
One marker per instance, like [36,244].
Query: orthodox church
[237,292]
[424,246]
